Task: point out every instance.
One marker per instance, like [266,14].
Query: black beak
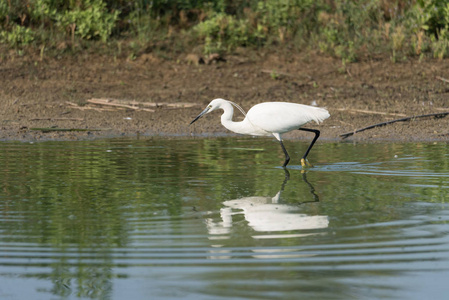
[200,115]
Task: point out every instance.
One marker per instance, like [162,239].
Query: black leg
[317,135]
[287,157]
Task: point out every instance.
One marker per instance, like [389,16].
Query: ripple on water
[176,219]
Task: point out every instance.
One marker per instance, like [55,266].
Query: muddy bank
[52,94]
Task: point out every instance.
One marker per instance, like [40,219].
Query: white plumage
[282,117]
[270,118]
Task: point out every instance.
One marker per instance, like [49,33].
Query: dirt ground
[53,94]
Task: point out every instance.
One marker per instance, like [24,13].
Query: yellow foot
[305,163]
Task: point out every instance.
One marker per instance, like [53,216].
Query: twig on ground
[110,102]
[57,119]
[96,103]
[48,129]
[74,105]
[353,110]
[346,123]
[442,79]
[436,115]
[349,72]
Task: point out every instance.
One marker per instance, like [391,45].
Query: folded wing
[281,117]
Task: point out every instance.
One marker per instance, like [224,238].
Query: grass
[350,30]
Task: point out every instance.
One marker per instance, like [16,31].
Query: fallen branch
[172,105]
[353,110]
[48,129]
[349,72]
[116,103]
[139,105]
[442,79]
[74,105]
[436,115]
[179,105]
[57,119]
[104,104]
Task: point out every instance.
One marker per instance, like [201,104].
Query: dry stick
[48,129]
[349,72]
[94,108]
[123,104]
[181,105]
[73,105]
[436,115]
[57,119]
[172,105]
[135,105]
[109,103]
[352,110]
[442,79]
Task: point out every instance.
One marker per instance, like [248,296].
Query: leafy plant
[224,32]
[42,11]
[281,18]
[4,10]
[91,22]
[17,36]
[440,44]
[436,15]
[344,29]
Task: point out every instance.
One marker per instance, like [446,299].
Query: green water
[218,218]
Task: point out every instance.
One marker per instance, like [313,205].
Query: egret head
[213,105]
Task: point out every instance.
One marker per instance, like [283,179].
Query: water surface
[218,218]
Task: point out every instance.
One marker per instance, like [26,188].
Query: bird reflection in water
[268,216]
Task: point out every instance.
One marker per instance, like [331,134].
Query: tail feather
[319,114]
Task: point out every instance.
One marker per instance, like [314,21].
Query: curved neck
[228,112]
[226,118]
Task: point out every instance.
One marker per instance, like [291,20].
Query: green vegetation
[350,30]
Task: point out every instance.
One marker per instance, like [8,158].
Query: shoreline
[167,95]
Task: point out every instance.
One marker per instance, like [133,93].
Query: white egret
[270,118]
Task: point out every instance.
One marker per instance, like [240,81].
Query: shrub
[91,20]
[350,28]
[282,19]
[346,29]
[4,10]
[432,18]
[224,32]
[17,36]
